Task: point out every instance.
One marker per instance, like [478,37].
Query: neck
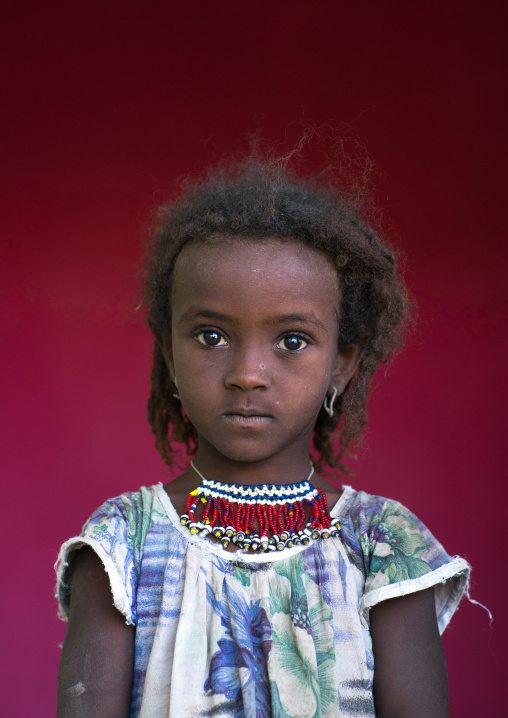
[287,468]
[204,478]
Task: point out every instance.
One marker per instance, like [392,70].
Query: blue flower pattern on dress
[245,645]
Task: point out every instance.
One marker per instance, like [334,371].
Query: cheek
[314,398]
[305,391]
[197,377]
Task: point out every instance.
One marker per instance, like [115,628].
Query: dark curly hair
[254,198]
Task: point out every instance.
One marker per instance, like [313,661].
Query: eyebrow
[309,318]
[197,312]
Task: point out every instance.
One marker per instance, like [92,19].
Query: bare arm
[410,679]
[96,666]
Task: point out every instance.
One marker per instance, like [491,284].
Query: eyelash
[290,335]
[210,331]
[223,341]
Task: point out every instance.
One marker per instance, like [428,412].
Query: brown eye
[211,338]
[292,343]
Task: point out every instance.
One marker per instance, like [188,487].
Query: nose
[247,371]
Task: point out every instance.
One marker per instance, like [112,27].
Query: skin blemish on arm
[76,690]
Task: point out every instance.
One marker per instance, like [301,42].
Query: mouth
[242,417]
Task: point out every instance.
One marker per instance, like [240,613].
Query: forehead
[246,273]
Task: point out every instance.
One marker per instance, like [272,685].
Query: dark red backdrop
[105,104]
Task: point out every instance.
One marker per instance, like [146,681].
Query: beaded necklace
[230,513]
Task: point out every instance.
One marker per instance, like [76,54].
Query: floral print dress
[279,635]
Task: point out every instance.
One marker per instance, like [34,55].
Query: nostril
[247,374]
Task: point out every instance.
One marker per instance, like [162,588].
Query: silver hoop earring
[175,393]
[328,407]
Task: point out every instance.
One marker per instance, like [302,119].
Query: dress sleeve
[401,556]
[109,533]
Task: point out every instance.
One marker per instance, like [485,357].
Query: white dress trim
[446,600]
[121,599]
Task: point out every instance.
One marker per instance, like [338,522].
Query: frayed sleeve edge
[450,580]
[121,599]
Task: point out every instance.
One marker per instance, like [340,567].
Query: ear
[167,349]
[346,364]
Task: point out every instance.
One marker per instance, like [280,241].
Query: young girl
[249,585]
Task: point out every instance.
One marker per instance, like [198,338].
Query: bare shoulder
[95,676]
[410,676]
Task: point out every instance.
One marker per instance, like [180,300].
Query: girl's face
[254,349]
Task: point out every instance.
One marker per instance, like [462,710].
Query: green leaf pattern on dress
[396,544]
[302,655]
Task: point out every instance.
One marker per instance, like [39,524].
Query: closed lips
[243,418]
[246,412]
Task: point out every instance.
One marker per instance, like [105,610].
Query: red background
[105,104]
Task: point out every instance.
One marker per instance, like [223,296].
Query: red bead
[272,518]
[206,510]
[286,515]
[239,516]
